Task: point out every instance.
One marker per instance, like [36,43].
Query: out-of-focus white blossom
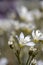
[3,61]
[29,17]
[28,26]
[37,35]
[25,40]
[37,14]
[23,11]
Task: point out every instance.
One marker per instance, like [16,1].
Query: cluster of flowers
[28,40]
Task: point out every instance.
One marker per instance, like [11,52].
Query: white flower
[23,9]
[37,35]
[25,40]
[28,26]
[29,17]
[23,12]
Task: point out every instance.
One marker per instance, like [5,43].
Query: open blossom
[37,35]
[25,40]
[29,16]
[27,26]
[23,12]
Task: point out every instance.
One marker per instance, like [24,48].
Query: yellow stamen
[35,40]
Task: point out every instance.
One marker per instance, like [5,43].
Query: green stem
[17,55]
[27,60]
[31,57]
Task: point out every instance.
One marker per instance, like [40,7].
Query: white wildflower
[29,17]
[28,26]
[37,35]
[23,12]
[25,40]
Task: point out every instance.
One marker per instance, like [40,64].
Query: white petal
[33,34]
[38,33]
[29,17]
[41,38]
[27,39]
[21,36]
[30,44]
[24,9]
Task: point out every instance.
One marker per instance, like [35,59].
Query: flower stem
[27,60]
[17,55]
[31,57]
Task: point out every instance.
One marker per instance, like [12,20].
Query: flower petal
[33,34]
[30,44]
[38,33]
[21,36]
[41,37]
[27,39]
